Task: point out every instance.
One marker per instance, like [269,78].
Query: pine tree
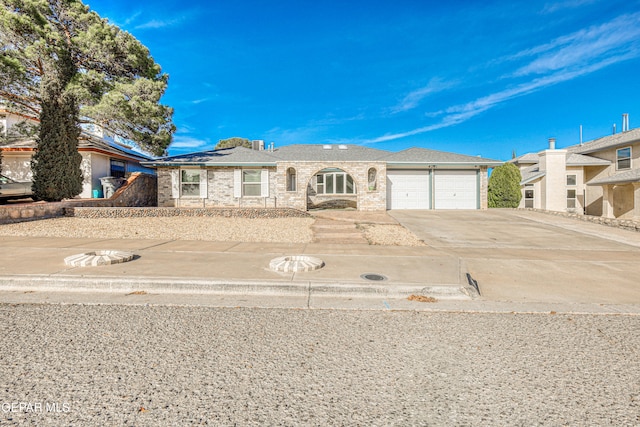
[113,80]
[56,163]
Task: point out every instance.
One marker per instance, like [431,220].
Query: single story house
[599,177]
[102,156]
[315,176]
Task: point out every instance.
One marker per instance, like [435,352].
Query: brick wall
[220,191]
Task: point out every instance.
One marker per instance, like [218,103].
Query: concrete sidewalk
[32,263]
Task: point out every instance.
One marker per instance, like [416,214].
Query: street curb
[207,286]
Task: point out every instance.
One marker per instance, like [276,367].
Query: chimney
[552,143]
[625,122]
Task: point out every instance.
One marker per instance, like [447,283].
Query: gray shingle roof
[319,153]
[423,155]
[574,159]
[328,152]
[529,158]
[531,174]
[632,175]
[611,141]
[222,157]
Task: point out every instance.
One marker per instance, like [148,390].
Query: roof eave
[449,164]
[532,178]
[206,164]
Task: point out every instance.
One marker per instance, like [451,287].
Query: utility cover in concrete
[94,259]
[295,263]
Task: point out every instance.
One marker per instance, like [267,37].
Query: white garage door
[455,189]
[408,189]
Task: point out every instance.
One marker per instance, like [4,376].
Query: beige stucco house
[315,176]
[599,177]
[102,156]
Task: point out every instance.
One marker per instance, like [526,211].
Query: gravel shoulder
[168,365]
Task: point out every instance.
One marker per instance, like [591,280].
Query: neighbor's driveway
[530,256]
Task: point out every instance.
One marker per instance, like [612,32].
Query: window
[320,184]
[190,182]
[251,182]
[3,124]
[571,199]
[528,196]
[118,169]
[291,179]
[372,179]
[623,158]
[571,180]
[334,181]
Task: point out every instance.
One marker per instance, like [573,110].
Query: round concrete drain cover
[295,263]
[94,259]
[374,277]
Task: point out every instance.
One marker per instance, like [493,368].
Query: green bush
[504,187]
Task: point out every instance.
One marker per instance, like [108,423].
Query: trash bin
[109,185]
[96,194]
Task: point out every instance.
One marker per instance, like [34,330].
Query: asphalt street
[101,365]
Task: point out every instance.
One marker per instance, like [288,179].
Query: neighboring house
[313,176]
[599,177]
[101,156]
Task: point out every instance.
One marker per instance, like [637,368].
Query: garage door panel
[456,189]
[408,189]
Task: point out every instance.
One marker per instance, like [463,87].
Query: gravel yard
[294,230]
[221,229]
[389,235]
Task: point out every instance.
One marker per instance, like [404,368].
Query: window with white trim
[571,180]
[190,182]
[334,181]
[623,158]
[571,199]
[251,182]
[528,196]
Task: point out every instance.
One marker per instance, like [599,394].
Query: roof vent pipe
[614,128]
[552,143]
[580,135]
[625,122]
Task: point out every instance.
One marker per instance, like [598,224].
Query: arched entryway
[332,188]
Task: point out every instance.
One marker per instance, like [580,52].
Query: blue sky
[477,78]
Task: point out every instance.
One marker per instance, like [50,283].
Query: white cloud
[413,99]
[563,59]
[614,38]
[569,4]
[181,141]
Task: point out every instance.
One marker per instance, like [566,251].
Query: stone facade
[220,190]
[303,197]
[484,187]
[221,187]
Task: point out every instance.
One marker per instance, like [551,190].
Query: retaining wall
[625,224]
[140,189]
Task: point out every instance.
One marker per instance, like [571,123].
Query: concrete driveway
[529,256]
